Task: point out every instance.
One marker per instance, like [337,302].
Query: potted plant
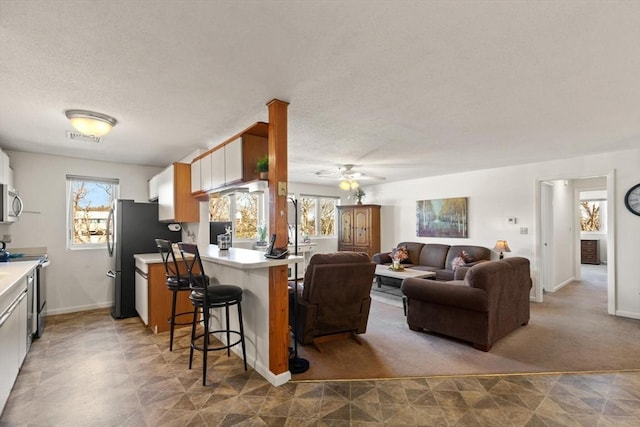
[358,194]
[262,235]
[262,167]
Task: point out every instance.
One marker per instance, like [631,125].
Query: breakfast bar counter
[264,305]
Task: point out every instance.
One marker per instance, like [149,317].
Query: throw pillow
[400,253]
[466,257]
[457,262]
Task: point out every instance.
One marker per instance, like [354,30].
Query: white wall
[494,195]
[76,279]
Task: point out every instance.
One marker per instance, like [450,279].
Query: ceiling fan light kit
[90,123]
[349,178]
[347,184]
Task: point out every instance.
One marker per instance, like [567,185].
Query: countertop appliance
[132,228]
[10,204]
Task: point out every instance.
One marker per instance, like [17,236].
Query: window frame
[318,214]
[261,214]
[70,180]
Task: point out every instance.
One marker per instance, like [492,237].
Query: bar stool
[175,282]
[204,297]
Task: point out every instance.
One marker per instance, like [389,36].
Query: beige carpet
[570,331]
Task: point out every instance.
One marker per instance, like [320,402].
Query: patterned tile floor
[90,370]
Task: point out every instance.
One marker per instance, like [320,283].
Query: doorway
[558,266]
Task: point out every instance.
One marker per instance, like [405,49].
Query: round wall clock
[632,199]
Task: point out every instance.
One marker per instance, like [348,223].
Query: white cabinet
[217,169]
[142,291]
[165,194]
[13,336]
[153,188]
[5,170]
[196,176]
[233,161]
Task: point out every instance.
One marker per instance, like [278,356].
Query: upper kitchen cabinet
[233,161]
[153,188]
[5,169]
[175,203]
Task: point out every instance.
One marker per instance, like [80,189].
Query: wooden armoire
[359,229]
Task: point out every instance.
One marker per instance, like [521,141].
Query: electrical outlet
[524,230]
[6,238]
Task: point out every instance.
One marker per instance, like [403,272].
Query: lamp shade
[90,123]
[502,246]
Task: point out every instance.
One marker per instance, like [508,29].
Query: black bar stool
[175,282]
[204,297]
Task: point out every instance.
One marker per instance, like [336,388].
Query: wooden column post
[278,181]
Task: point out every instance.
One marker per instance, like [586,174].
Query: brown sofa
[335,296]
[434,257]
[491,301]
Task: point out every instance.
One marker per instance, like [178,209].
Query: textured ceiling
[401,89]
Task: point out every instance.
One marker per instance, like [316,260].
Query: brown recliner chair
[491,302]
[334,298]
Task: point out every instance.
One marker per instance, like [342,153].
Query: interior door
[546,217]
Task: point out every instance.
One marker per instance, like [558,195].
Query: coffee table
[384,270]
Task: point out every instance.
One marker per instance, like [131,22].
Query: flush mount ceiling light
[90,123]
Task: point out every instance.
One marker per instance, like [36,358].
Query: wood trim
[186,207]
[160,300]
[278,295]
[253,148]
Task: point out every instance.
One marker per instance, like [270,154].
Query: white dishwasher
[142,290]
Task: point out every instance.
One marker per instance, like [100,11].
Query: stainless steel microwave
[11,205]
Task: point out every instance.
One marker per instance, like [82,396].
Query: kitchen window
[88,203]
[318,216]
[245,210]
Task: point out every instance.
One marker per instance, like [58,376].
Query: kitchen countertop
[12,272]
[233,257]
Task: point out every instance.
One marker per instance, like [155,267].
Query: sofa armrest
[460,272]
[382,258]
[446,294]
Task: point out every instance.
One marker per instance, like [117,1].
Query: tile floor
[91,370]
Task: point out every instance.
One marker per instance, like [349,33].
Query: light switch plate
[524,230]
[282,189]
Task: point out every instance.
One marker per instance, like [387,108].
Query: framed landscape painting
[442,217]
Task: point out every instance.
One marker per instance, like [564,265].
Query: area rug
[391,295]
[570,332]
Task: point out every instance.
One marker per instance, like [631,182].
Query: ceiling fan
[349,177]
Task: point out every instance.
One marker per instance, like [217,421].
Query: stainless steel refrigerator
[135,227]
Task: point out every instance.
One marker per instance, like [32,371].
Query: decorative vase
[396,264]
[359,202]
[264,175]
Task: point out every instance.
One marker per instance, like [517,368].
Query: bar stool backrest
[193,263]
[169,260]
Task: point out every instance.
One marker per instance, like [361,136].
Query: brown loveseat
[434,257]
[335,297]
[491,301]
